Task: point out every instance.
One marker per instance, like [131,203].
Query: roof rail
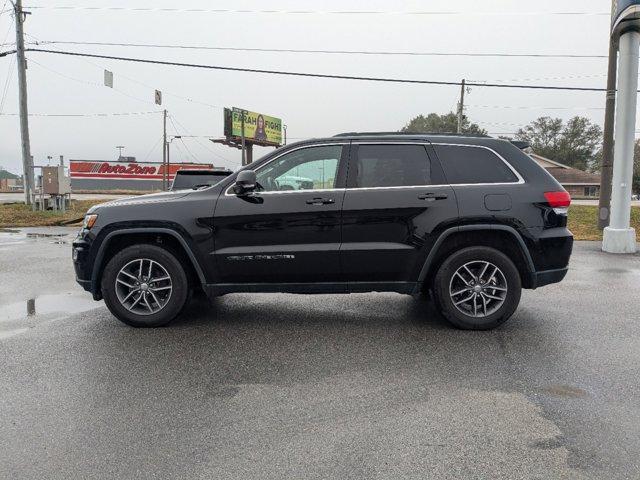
[371,134]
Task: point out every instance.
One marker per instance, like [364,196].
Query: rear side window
[464,164]
[390,166]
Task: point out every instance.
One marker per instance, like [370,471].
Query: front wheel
[477,288]
[145,286]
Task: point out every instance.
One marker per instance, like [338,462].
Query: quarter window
[304,169]
[465,165]
[390,166]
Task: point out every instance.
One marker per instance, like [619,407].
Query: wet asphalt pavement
[285,386]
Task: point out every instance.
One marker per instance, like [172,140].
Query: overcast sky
[310,107]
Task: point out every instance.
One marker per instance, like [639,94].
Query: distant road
[18,197]
[635,203]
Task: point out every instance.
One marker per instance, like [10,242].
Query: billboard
[127,170]
[259,128]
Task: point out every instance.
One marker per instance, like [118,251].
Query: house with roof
[578,183]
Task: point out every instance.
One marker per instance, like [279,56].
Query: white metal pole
[619,237]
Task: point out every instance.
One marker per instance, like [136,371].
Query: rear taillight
[559,201]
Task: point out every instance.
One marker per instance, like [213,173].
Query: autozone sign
[128,170]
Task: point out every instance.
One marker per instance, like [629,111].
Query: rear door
[288,231]
[396,204]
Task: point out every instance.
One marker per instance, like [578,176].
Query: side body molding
[126,231]
[464,228]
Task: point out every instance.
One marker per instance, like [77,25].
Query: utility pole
[461,107]
[606,169]
[165,176]
[27,161]
[120,148]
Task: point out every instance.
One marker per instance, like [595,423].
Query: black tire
[460,317]
[176,299]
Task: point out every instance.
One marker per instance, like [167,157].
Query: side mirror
[245,182]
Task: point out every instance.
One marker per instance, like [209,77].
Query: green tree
[435,123]
[575,143]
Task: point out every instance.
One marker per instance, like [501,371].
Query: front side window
[304,169]
[390,166]
[470,165]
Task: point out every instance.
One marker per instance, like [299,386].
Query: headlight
[89,221]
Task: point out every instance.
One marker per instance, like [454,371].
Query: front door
[396,204]
[288,230]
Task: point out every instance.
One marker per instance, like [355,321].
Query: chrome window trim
[301,147]
[398,187]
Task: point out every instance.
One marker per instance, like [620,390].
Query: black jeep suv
[470,220]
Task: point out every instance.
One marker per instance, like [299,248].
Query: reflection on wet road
[286,386]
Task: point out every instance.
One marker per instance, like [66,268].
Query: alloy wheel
[143,286]
[478,288]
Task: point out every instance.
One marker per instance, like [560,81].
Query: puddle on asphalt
[67,303]
[57,235]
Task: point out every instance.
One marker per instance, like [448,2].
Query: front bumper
[79,256]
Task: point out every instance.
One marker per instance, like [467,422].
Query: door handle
[433,196]
[320,201]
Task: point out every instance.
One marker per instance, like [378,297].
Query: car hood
[144,199]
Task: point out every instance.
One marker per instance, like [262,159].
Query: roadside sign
[259,128]
[108,79]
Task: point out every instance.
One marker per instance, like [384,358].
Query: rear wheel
[477,288]
[145,286]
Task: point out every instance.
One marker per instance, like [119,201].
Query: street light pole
[27,161]
[619,237]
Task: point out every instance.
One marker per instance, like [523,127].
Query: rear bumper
[546,277]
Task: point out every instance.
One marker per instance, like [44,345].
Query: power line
[338,52]
[7,82]
[109,114]
[102,67]
[155,145]
[515,107]
[315,12]
[195,138]
[316,75]
[6,35]
[94,84]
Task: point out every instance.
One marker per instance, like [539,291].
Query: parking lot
[286,386]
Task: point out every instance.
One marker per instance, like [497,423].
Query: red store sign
[128,171]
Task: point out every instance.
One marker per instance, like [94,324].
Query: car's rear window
[465,164]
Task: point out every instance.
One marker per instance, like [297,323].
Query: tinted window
[390,166]
[473,165]
[304,169]
[190,180]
